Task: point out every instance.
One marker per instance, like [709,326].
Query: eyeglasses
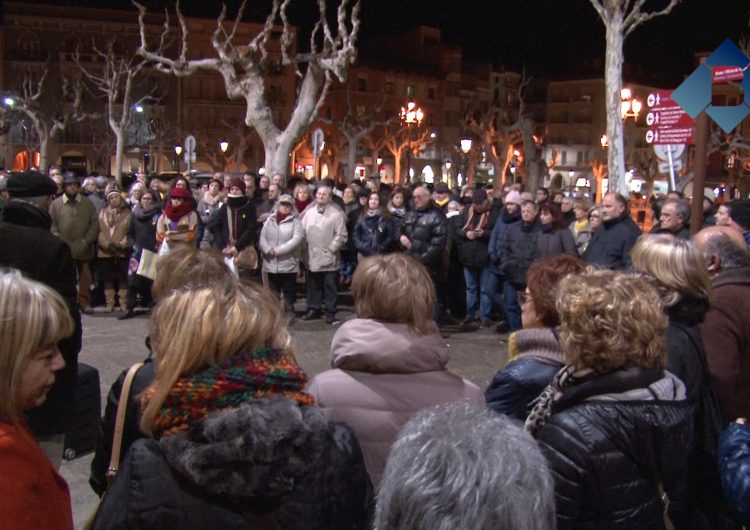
[522,297]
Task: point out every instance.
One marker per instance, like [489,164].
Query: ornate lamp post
[224,145]
[410,114]
[465,148]
[177,152]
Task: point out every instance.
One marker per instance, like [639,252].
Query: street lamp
[630,106]
[410,114]
[604,140]
[177,152]
[224,145]
[9,101]
[465,148]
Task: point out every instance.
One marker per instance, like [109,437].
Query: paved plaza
[111,346]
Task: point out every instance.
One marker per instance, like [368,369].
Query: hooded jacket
[383,374]
[268,463]
[611,442]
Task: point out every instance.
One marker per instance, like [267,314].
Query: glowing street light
[9,101]
[177,152]
[223,145]
[630,106]
[410,115]
[604,140]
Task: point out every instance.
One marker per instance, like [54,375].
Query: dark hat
[239,183]
[441,187]
[740,213]
[70,178]
[479,196]
[181,193]
[31,184]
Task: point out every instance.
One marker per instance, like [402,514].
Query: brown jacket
[726,338]
[384,374]
[116,234]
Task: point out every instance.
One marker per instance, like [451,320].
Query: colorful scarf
[241,378]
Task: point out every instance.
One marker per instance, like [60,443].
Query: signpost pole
[672,182]
[699,178]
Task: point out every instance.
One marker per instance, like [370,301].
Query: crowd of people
[629,356]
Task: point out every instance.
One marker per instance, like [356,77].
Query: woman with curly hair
[236,441]
[614,425]
[677,271]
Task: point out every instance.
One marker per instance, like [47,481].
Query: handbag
[248,256]
[147,264]
[114,460]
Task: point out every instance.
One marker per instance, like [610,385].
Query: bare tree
[354,127]
[533,168]
[620,18]
[398,141]
[244,67]
[48,111]
[103,142]
[496,139]
[115,80]
[239,138]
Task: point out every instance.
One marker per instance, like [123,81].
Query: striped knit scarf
[260,373]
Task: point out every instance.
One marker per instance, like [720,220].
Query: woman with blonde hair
[390,361]
[614,424]
[33,319]
[677,271]
[236,440]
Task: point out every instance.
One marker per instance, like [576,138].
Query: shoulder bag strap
[122,406]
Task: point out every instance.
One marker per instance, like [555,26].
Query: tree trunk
[119,153]
[351,157]
[43,152]
[613,85]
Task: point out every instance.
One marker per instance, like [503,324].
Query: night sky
[550,38]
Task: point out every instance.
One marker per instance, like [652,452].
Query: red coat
[33,496]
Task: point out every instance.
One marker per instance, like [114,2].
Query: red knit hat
[179,192]
[239,183]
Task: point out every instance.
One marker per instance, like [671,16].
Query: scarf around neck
[175,213]
[241,378]
[481,223]
[567,377]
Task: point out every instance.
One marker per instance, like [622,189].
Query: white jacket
[325,234]
[286,239]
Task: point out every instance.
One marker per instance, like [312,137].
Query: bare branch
[636,16]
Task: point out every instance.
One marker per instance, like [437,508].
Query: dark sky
[548,37]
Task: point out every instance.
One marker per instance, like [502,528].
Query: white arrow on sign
[318,139]
[189,144]
[664,166]
[662,152]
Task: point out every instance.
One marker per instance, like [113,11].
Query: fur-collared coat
[268,463]
[112,240]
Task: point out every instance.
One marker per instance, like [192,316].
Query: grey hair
[731,256]
[456,466]
[681,208]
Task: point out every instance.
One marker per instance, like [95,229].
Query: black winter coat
[245,228]
[515,388]
[426,229]
[27,244]
[555,242]
[131,429]
[374,235]
[268,463]
[475,252]
[611,244]
[518,251]
[609,456]
[142,230]
[687,360]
